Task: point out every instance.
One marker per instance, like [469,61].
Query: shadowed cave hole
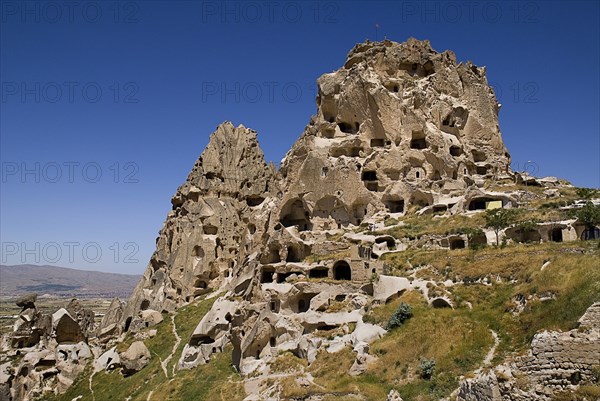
[342,271]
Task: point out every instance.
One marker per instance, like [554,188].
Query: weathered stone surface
[216,222]
[111,319]
[108,361]
[6,379]
[393,396]
[30,328]
[398,125]
[135,358]
[84,317]
[71,360]
[66,328]
[26,301]
[556,362]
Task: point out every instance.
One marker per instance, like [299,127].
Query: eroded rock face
[218,219]
[556,362]
[109,325]
[66,327]
[135,358]
[399,125]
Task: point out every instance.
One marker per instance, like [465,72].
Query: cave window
[590,233]
[556,235]
[302,306]
[267,276]
[481,203]
[455,151]
[318,272]
[272,342]
[369,176]
[418,174]
[440,303]
[210,229]
[440,209]
[251,228]
[198,252]
[478,156]
[457,243]
[481,170]
[575,378]
[274,306]
[200,284]
[297,216]
[342,271]
[324,171]
[396,88]
[377,142]
[127,323]
[395,206]
[145,304]
[372,186]
[292,255]
[348,128]
[255,200]
[418,140]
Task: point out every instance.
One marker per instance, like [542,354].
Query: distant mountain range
[63,282]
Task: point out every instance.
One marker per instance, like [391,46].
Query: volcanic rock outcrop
[218,219]
[399,126]
[292,258]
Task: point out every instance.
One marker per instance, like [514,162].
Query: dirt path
[491,353]
[165,363]
[90,385]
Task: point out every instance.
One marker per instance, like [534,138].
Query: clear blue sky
[136,87]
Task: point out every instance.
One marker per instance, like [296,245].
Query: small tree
[526,227]
[589,216]
[402,314]
[498,219]
[471,234]
[586,193]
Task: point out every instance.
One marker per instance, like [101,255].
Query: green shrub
[426,368]
[402,314]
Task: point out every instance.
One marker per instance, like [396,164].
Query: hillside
[64,282]
[520,300]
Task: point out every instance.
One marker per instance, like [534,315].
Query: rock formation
[292,253]
[218,219]
[399,126]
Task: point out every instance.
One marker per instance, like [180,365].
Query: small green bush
[402,314]
[426,368]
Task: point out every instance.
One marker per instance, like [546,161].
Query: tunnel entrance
[342,271]
[556,235]
[294,214]
[418,140]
